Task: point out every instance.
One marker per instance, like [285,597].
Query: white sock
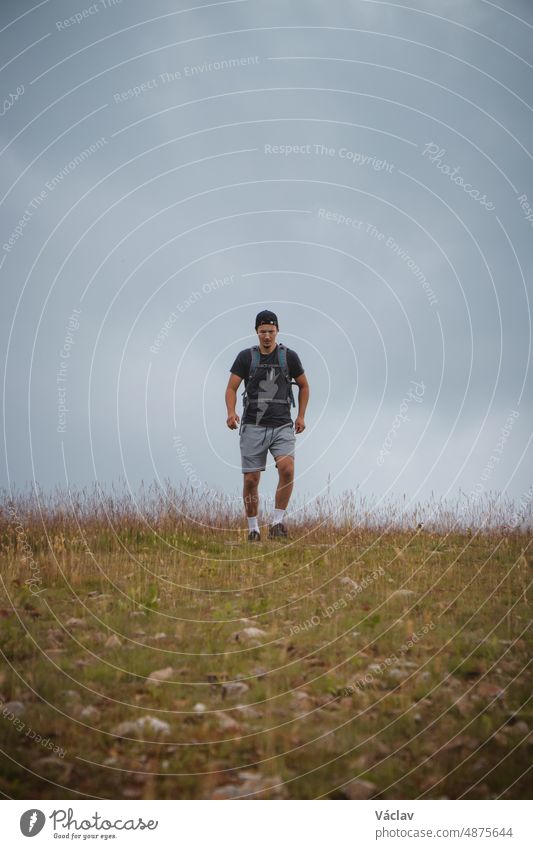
[252,523]
[279,515]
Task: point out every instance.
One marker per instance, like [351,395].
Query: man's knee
[285,467]
[251,480]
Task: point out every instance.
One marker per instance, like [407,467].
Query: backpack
[282,364]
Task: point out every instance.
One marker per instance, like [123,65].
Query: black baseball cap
[266,317]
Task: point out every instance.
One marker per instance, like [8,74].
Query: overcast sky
[362,168]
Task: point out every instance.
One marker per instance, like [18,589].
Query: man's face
[267,336]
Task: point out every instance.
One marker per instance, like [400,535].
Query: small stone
[259,671]
[248,712]
[226,722]
[226,791]
[349,582]
[161,674]
[127,729]
[18,709]
[301,696]
[249,775]
[358,789]
[234,688]
[519,729]
[113,642]
[75,623]
[249,634]
[265,787]
[397,674]
[155,725]
[199,707]
[91,713]
[55,636]
[400,593]
[71,696]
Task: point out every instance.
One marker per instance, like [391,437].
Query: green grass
[418,683]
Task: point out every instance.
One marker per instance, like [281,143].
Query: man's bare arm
[231,400]
[303,398]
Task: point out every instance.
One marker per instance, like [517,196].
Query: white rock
[155,725]
[397,674]
[113,642]
[127,729]
[199,707]
[161,674]
[301,696]
[249,634]
[55,636]
[247,711]
[259,671]
[226,722]
[401,593]
[149,724]
[226,791]
[349,582]
[235,688]
[18,709]
[358,789]
[91,713]
[256,785]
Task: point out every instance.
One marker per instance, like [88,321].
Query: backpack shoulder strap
[255,360]
[282,359]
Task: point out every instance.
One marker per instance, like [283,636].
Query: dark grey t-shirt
[267,384]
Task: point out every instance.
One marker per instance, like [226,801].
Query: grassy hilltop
[373,655]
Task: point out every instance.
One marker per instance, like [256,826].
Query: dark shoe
[278,530]
[254,536]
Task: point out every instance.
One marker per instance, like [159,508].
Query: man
[266,422]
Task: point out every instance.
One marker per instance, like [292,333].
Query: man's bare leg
[250,493]
[285,467]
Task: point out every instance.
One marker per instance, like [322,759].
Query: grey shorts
[257,440]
